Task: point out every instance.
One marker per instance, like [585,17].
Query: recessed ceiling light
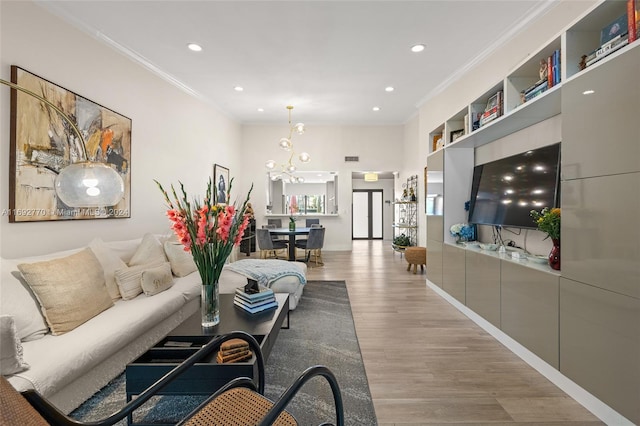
[588,92]
[260,109]
[194,47]
[417,48]
[376,108]
[389,89]
[238,88]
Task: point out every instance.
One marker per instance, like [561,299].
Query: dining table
[292,233]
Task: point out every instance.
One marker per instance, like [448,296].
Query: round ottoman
[416,256]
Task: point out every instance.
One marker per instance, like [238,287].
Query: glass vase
[554,255]
[292,226]
[210,305]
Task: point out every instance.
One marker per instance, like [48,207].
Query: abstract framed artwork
[42,144]
[220,184]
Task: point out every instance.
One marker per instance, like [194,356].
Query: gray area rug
[321,332]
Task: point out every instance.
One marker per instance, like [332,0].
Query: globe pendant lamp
[85,183]
[287,145]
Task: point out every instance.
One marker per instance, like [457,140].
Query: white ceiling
[330,59]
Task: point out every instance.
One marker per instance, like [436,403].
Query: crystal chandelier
[289,168]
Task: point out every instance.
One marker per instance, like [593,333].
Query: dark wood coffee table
[207,376]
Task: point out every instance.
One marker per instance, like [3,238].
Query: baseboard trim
[582,396]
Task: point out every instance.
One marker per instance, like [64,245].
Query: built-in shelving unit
[566,318]
[405,214]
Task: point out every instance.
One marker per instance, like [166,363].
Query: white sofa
[68,368]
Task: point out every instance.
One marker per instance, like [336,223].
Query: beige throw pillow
[129,279]
[11,361]
[156,280]
[71,290]
[182,263]
[110,263]
[149,251]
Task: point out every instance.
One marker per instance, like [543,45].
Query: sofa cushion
[129,279]
[98,339]
[156,280]
[182,263]
[11,361]
[110,263]
[70,290]
[17,300]
[149,251]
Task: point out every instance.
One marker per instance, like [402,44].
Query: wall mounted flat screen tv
[504,192]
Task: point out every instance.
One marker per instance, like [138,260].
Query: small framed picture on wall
[220,184]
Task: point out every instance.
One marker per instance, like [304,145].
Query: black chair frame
[55,417]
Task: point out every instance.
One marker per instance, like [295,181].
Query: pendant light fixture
[289,168]
[84,183]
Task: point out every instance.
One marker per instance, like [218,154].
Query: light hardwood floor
[429,364]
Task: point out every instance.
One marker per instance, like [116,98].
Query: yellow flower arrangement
[548,221]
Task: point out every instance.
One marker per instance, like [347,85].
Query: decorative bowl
[490,247]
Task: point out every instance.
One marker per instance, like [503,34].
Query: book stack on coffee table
[234,350]
[262,300]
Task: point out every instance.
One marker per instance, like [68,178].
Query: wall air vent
[353,158]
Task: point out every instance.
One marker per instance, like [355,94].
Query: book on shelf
[607,49]
[614,29]
[633,19]
[493,109]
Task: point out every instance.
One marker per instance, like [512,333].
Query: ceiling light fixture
[371,177]
[238,88]
[376,108]
[417,48]
[389,89]
[194,47]
[289,168]
[84,183]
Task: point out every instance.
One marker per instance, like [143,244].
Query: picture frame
[455,134]
[42,143]
[220,184]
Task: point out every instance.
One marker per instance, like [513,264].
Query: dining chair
[310,222]
[276,223]
[313,245]
[268,246]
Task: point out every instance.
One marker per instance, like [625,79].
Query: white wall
[379,148]
[174,136]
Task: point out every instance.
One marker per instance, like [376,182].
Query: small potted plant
[401,241]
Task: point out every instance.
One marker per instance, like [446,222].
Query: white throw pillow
[17,300]
[110,263]
[156,280]
[182,263]
[11,361]
[149,251]
[70,290]
[129,279]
